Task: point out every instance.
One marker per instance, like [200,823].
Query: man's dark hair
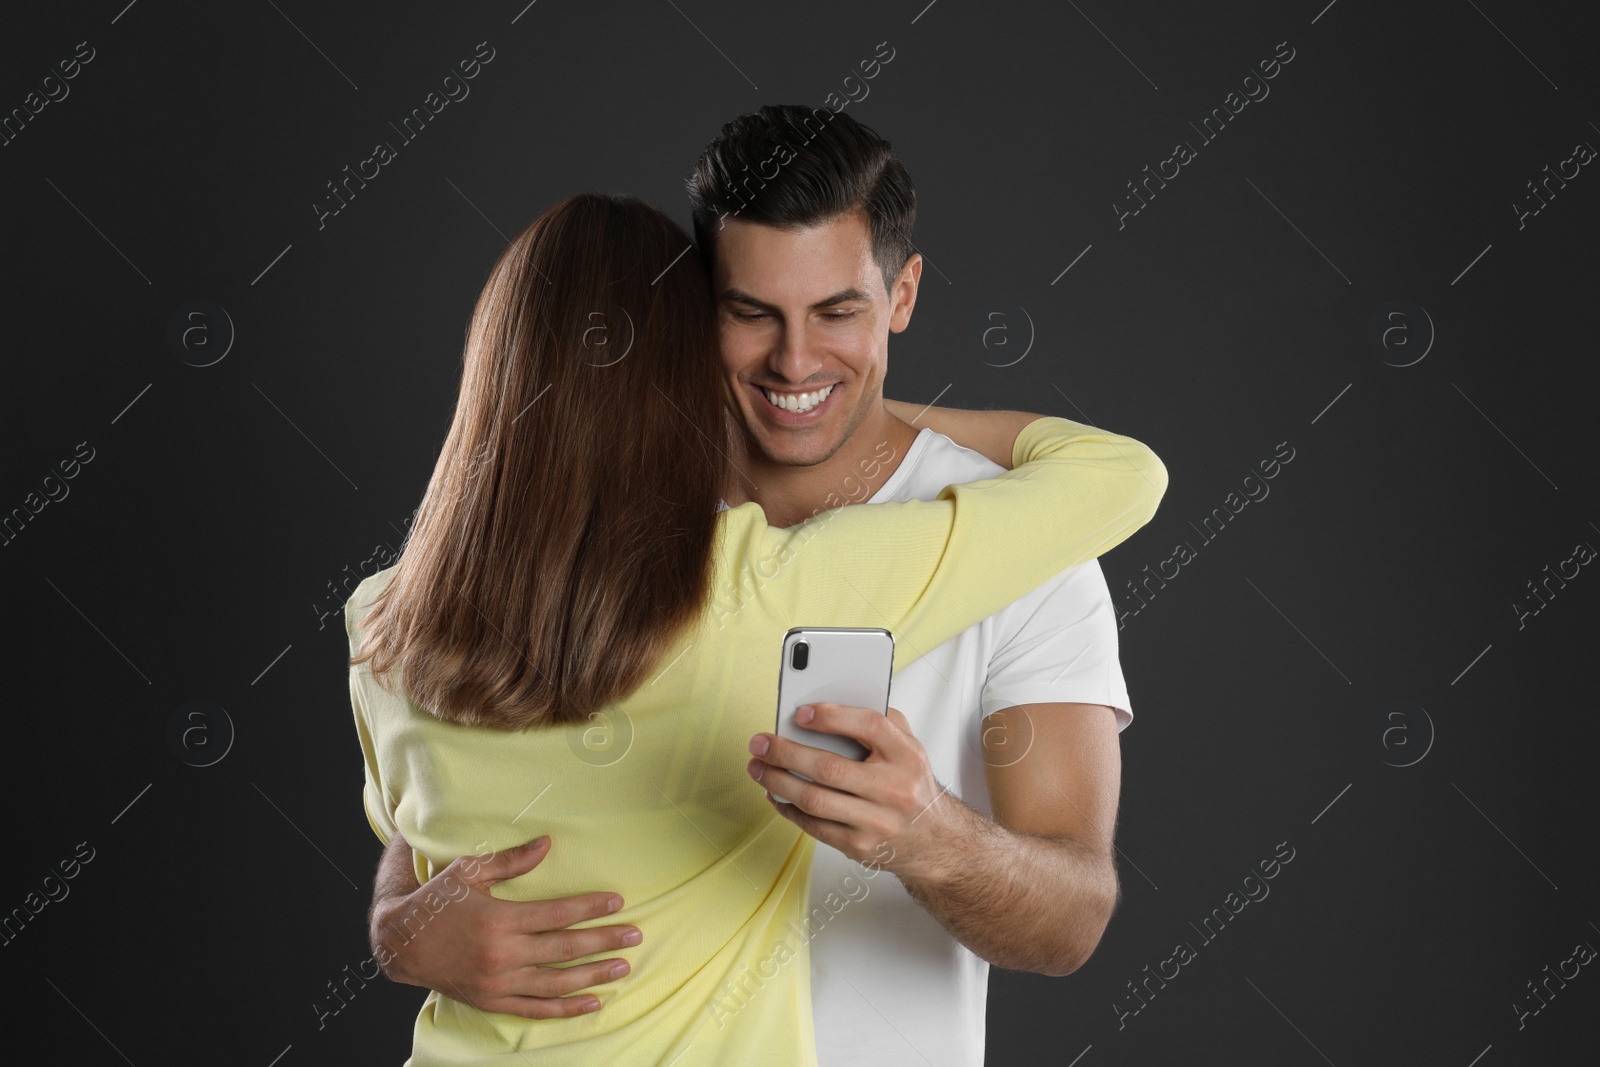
[790,166]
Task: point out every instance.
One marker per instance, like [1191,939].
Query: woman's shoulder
[373,584]
[365,592]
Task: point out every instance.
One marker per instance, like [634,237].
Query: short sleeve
[379,815]
[1058,645]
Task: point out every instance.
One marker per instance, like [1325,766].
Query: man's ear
[904,296]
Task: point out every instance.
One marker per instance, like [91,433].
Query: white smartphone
[840,665]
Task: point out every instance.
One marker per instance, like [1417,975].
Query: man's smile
[791,408]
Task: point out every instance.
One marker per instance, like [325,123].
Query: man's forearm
[1020,901]
[396,879]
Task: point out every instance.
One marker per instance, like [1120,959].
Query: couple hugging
[638,496]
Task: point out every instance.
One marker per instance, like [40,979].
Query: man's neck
[860,468]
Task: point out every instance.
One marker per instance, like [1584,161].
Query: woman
[569,566]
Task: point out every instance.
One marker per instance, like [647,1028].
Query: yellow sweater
[651,800]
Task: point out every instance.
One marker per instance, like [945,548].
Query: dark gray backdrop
[1342,271]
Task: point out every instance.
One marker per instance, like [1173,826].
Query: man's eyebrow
[843,295]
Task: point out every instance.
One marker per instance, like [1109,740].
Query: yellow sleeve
[928,569]
[379,816]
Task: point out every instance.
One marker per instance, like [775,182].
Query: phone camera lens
[801,655]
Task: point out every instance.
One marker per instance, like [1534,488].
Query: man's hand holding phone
[890,798]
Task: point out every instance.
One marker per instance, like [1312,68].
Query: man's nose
[794,358]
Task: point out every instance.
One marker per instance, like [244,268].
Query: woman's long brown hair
[566,535]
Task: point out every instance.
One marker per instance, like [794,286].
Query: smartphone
[840,665]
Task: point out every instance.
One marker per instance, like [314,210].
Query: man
[991,789]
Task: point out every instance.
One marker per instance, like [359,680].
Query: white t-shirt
[889,985]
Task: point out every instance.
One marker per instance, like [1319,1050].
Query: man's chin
[795,455]
[795,447]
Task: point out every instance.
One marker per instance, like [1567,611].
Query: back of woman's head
[566,535]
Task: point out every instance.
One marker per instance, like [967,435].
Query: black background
[1230,315]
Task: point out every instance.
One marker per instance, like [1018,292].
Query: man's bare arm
[452,936]
[1034,888]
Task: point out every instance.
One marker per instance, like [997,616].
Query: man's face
[805,319]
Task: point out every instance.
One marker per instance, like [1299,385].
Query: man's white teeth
[798,403]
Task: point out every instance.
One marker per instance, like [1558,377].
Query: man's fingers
[824,830]
[562,981]
[564,946]
[877,732]
[545,992]
[538,916]
[820,765]
[502,865]
[886,736]
[814,798]
[542,1007]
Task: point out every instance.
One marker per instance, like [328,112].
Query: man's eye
[749,317]
[837,315]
